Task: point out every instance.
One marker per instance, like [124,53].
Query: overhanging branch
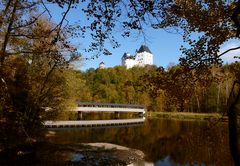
[231,49]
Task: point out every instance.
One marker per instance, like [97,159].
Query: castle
[142,57]
[102,65]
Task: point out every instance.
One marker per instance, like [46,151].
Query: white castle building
[142,57]
[102,65]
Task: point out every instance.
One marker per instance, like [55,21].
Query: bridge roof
[110,104]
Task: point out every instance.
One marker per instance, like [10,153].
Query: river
[164,142]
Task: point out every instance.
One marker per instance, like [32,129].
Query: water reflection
[163,141]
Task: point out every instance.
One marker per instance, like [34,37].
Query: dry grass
[184,115]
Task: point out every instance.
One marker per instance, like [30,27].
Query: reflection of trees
[184,142]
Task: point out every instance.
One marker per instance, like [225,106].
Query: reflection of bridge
[93,123]
[108,107]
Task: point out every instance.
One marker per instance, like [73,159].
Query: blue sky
[164,46]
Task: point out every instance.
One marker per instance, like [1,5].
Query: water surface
[164,142]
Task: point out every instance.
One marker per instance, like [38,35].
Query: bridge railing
[110,105]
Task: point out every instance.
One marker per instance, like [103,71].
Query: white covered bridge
[101,107]
[108,107]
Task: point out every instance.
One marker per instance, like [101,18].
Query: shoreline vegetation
[187,116]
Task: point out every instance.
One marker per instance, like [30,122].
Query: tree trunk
[198,104]
[218,98]
[227,90]
[233,131]
[182,106]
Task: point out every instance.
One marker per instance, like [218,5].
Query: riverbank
[43,153]
[186,116]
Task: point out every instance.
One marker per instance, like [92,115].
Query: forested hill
[174,89]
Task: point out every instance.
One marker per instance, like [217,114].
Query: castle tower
[144,56]
[128,60]
[102,65]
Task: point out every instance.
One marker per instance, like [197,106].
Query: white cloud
[229,57]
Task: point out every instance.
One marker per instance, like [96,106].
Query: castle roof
[128,56]
[102,65]
[144,48]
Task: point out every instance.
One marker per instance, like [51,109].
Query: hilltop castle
[142,57]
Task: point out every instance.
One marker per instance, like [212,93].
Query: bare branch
[31,52]
[47,77]
[63,18]
[4,12]
[45,7]
[7,6]
[9,29]
[30,22]
[231,49]
[30,36]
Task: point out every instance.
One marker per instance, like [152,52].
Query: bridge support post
[140,114]
[79,115]
[116,115]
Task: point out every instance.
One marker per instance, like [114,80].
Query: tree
[212,21]
[34,58]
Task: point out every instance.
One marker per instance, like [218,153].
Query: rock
[91,154]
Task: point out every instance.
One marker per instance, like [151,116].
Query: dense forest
[176,88]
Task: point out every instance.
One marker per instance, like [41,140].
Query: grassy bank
[184,115]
